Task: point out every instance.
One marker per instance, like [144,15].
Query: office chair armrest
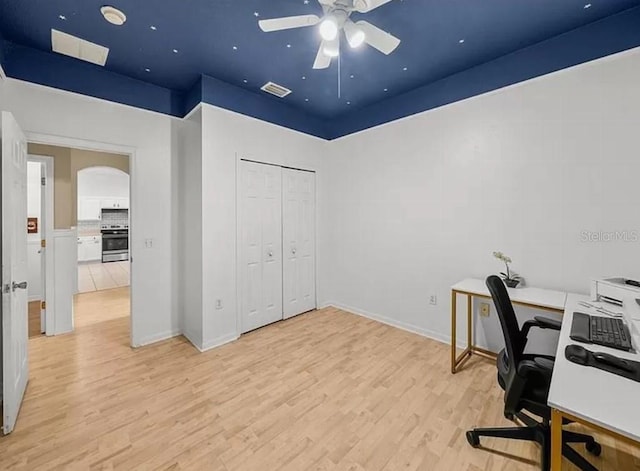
[542,323]
[547,323]
[539,366]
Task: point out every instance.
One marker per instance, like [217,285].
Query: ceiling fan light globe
[328,29]
[357,40]
[355,35]
[331,48]
[331,51]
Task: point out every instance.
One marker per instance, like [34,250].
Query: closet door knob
[293,251]
[270,253]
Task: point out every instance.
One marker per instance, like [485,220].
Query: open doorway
[39,230]
[103,228]
[91,237]
[35,256]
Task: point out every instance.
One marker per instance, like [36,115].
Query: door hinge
[43,305]
[43,243]
[43,180]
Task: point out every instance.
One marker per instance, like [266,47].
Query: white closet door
[298,227]
[260,244]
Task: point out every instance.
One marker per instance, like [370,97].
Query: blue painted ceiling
[172,43]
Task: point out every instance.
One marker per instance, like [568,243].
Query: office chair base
[473,439]
[540,433]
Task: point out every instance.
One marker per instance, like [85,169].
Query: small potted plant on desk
[510,278]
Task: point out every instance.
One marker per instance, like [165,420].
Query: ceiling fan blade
[365,6]
[322,60]
[288,22]
[375,37]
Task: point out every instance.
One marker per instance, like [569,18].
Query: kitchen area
[103,229]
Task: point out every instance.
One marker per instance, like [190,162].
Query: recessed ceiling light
[461,41]
[588,5]
[386,89]
[404,68]
[348,103]
[245,80]
[175,51]
[235,48]
[288,45]
[147,70]
[153,28]
[113,15]
[351,76]
[62,17]
[306,99]
[256,14]
[304,78]
[306,2]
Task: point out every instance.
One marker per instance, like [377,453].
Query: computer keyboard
[605,331]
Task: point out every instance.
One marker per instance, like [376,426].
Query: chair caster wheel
[473,439]
[594,448]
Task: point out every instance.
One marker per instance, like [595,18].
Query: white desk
[531,297]
[595,398]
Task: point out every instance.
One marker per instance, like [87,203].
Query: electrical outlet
[485,309]
[433,300]
[218,303]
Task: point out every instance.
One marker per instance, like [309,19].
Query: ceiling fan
[336,18]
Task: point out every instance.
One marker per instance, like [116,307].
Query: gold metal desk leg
[556,440]
[453,331]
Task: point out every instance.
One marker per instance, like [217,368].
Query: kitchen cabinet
[89,209]
[89,248]
[115,203]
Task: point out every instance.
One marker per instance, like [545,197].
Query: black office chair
[525,379]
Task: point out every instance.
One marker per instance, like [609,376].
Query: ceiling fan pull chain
[339,76]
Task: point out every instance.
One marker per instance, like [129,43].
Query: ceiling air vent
[275,89]
[73,46]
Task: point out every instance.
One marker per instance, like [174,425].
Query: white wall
[190,227]
[34,202]
[228,136]
[102,182]
[43,110]
[421,203]
[34,188]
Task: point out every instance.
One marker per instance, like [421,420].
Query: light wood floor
[96,276]
[323,391]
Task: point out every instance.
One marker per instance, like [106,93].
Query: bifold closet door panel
[260,244]
[298,229]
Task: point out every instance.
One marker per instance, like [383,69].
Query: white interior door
[15,356]
[298,227]
[260,244]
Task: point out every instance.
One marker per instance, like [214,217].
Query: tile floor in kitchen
[96,276]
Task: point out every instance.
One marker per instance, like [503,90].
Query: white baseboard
[414,329]
[190,337]
[157,338]
[219,341]
[62,332]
